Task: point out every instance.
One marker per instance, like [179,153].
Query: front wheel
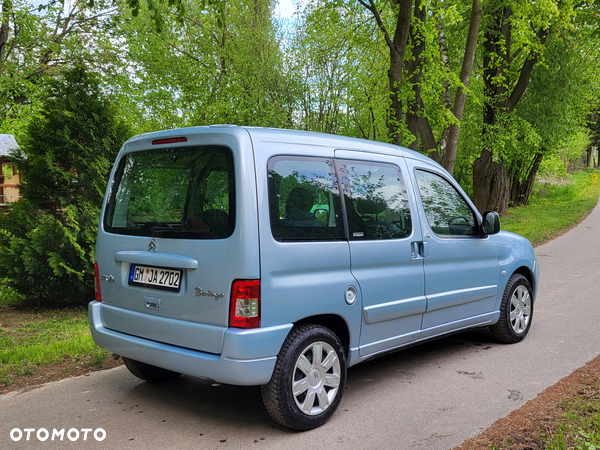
[516,311]
[309,378]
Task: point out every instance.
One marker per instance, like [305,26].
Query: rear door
[305,261]
[385,258]
[170,242]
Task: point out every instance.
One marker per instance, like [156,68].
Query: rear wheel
[516,311]
[148,372]
[309,378]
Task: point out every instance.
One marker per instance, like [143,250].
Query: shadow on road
[224,406]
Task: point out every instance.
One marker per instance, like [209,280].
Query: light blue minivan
[276,258]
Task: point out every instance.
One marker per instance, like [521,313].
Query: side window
[304,200]
[376,201]
[447,212]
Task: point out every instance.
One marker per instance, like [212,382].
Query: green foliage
[49,256]
[44,37]
[207,65]
[571,149]
[554,207]
[7,171]
[552,166]
[8,296]
[337,58]
[71,148]
[47,239]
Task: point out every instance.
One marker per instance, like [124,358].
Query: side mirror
[490,223]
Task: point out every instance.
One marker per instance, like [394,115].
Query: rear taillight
[97,283]
[245,304]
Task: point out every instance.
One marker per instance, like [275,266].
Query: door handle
[420,249]
[424,248]
[152,303]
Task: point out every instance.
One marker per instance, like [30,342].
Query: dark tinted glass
[376,201]
[304,199]
[186,193]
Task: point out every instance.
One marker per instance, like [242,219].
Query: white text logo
[42,434]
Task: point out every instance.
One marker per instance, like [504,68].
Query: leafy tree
[340,71]
[207,64]
[540,64]
[47,240]
[515,38]
[36,42]
[419,71]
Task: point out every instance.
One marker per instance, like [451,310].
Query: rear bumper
[247,359]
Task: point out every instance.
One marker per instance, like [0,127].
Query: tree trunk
[490,184]
[414,67]
[395,83]
[397,47]
[397,51]
[451,143]
[520,189]
[4,28]
[490,179]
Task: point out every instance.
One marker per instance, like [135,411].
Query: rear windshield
[185,193]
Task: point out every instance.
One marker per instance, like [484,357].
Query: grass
[554,206]
[581,426]
[31,341]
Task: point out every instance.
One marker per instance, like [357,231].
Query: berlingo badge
[202,293]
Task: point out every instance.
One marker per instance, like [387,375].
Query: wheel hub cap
[316,378]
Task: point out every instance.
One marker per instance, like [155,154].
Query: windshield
[186,193]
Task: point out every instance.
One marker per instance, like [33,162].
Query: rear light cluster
[98,296]
[245,304]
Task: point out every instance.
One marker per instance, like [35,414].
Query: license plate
[155,277]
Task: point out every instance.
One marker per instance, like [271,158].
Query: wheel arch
[335,323]
[527,273]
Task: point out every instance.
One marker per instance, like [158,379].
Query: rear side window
[304,199]
[186,193]
[376,201]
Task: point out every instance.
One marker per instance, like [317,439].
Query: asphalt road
[433,396]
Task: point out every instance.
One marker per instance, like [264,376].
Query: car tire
[308,380]
[150,373]
[516,311]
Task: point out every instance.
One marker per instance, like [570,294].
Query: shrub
[47,239]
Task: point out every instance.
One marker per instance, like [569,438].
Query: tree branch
[198,24]
[526,70]
[371,7]
[184,52]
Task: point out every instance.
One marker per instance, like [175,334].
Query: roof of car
[263,134]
